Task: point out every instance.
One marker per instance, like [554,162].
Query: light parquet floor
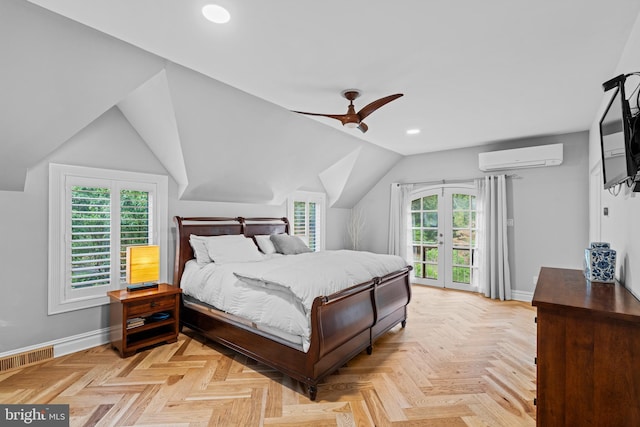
[462,360]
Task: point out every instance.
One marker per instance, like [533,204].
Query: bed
[342,324]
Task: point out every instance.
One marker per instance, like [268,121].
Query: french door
[444,237]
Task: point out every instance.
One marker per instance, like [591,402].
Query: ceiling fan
[351,118]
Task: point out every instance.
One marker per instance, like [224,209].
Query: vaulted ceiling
[218,143]
[212,102]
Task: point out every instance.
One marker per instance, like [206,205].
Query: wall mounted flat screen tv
[618,163]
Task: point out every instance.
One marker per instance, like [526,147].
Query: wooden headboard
[217,226]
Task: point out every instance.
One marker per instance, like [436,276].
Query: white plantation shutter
[299,218]
[105,217]
[312,224]
[90,245]
[95,215]
[135,223]
[305,222]
[306,213]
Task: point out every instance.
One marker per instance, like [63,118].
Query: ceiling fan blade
[373,106]
[340,117]
[363,127]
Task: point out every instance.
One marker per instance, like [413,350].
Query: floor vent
[21,360]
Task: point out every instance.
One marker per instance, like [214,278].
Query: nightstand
[142,318]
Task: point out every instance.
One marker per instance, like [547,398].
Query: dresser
[588,356]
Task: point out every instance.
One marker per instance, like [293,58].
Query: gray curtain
[493,251]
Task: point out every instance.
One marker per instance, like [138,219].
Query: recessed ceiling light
[215,13]
[413,131]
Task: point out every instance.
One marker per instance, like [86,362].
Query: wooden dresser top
[568,289]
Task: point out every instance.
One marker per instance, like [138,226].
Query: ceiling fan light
[351,125]
[216,14]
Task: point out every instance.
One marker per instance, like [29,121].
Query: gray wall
[109,142]
[548,205]
[621,227]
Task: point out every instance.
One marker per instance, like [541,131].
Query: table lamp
[143,267]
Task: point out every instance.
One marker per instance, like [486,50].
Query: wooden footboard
[350,321]
[342,325]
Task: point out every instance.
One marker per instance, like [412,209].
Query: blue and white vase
[600,263]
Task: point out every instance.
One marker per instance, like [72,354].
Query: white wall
[109,142]
[621,227]
[548,205]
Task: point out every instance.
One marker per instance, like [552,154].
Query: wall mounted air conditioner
[517,158]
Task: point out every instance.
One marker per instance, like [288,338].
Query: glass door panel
[443,230]
[461,247]
[426,239]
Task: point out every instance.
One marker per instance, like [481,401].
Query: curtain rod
[453,181]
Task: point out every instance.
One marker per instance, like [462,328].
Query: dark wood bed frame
[342,325]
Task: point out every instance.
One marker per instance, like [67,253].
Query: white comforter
[277,293]
[314,274]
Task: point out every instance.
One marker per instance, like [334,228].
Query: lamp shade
[143,264]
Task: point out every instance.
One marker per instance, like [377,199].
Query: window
[306,213]
[94,214]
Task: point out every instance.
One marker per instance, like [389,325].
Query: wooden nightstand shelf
[126,307]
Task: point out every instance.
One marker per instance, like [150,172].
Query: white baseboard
[80,342]
[68,345]
[521,295]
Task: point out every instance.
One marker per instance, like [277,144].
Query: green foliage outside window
[90,236]
[305,221]
[91,229]
[424,233]
[134,223]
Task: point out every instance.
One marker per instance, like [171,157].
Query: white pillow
[232,248]
[265,244]
[199,246]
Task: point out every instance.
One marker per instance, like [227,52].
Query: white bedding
[277,293]
[313,274]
